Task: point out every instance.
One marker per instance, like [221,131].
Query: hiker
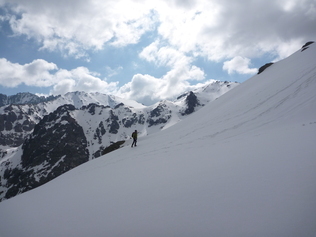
[134,136]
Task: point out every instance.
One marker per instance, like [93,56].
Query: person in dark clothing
[134,136]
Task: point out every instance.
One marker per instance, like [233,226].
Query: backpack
[134,135]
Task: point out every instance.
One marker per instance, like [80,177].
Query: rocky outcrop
[114,146]
[112,122]
[305,46]
[264,67]
[159,115]
[16,123]
[57,145]
[191,102]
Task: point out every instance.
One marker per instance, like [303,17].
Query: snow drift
[244,165]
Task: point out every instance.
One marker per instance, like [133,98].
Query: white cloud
[36,73]
[170,85]
[81,79]
[164,55]
[148,90]
[219,30]
[142,88]
[75,26]
[216,29]
[64,86]
[40,73]
[239,65]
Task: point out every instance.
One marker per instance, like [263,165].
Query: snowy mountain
[41,141]
[243,166]
[23,98]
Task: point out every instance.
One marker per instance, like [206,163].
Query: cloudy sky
[144,50]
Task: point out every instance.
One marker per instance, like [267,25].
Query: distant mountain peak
[23,98]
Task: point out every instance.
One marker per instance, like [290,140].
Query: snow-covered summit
[79,99]
[23,98]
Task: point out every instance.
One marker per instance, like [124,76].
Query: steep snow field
[244,165]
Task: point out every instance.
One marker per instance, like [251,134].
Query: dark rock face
[119,105]
[3,100]
[113,147]
[91,108]
[141,119]
[308,43]
[16,124]
[159,116]
[57,145]
[65,137]
[305,46]
[130,121]
[264,67]
[156,112]
[112,122]
[100,131]
[191,102]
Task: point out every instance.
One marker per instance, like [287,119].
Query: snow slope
[244,165]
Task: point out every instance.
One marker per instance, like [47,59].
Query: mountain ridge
[39,133]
